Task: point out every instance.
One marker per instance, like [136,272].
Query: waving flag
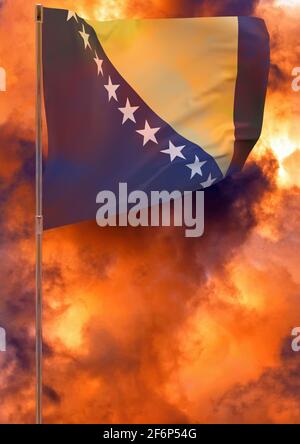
[161,104]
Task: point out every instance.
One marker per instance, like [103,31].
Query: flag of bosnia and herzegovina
[161,104]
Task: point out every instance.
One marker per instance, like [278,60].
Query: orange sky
[144,325]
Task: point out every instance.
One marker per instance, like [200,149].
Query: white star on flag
[174,151]
[99,63]
[148,133]
[72,14]
[128,112]
[85,37]
[111,89]
[208,182]
[196,167]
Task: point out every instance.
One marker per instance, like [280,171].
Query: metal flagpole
[39,216]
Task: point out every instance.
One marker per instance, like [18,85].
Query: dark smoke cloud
[277,77]
[168,281]
[251,402]
[51,394]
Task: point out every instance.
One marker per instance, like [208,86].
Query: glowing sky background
[144,325]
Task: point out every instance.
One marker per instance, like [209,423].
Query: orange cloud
[143,325]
